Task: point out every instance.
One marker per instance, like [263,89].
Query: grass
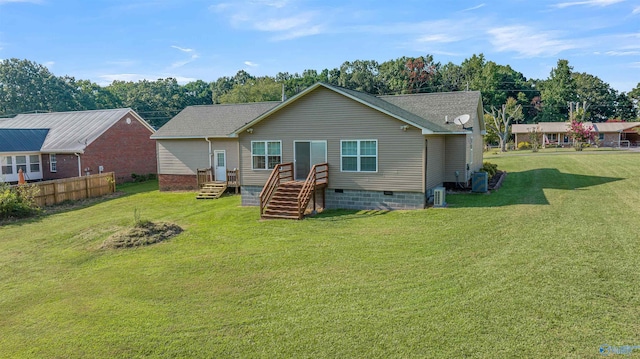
[545,267]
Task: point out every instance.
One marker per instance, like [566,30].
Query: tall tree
[26,86]
[598,94]
[557,91]
[360,75]
[420,73]
[634,96]
[258,89]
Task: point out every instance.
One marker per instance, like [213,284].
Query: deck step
[212,191]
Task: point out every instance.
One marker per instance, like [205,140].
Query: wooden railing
[233,178]
[204,176]
[281,173]
[319,175]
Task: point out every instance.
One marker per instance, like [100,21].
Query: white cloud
[250,64]
[601,3]
[194,56]
[49,64]
[475,7]
[622,53]
[438,38]
[182,48]
[528,42]
[279,17]
[636,10]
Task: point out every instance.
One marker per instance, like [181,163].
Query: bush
[17,202]
[524,146]
[143,178]
[490,168]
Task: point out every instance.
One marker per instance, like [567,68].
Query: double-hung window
[53,162]
[21,164]
[265,155]
[359,155]
[34,163]
[7,165]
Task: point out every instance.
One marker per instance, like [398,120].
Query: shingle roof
[22,140]
[212,120]
[437,107]
[70,132]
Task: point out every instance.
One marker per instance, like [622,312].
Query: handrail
[280,172]
[314,178]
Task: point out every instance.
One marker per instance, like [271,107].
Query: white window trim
[53,163]
[358,156]
[266,154]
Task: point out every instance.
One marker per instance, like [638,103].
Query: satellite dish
[462,119]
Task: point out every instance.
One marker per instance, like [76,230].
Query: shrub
[524,146]
[17,202]
[143,178]
[490,168]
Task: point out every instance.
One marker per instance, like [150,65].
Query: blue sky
[106,40]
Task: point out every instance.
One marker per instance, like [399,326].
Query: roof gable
[22,140]
[388,105]
[211,121]
[71,132]
[562,127]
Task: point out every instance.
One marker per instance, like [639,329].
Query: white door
[220,165]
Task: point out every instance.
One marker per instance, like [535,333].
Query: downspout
[210,154]
[79,165]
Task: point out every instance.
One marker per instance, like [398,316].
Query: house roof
[211,121]
[22,140]
[438,107]
[404,108]
[71,132]
[562,127]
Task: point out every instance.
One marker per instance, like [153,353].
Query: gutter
[210,153]
[79,164]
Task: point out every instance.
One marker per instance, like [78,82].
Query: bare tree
[502,119]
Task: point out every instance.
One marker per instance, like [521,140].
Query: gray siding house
[386,152]
[201,137]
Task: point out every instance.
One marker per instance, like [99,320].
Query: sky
[131,40]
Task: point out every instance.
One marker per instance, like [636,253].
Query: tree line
[28,87]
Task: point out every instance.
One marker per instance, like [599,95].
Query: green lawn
[548,266]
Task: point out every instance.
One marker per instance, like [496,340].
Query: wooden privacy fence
[73,189]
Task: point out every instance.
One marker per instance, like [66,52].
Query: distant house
[70,144]
[608,134]
[382,152]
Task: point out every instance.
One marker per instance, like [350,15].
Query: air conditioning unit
[438,197]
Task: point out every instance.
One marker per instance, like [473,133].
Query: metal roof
[22,140]
[210,121]
[71,132]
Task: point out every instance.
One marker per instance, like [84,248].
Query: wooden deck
[212,189]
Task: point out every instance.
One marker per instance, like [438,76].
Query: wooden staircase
[283,197]
[284,202]
[212,190]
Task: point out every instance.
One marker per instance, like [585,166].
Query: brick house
[606,134]
[69,144]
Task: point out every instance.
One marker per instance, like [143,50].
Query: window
[600,136]
[266,155]
[34,163]
[7,165]
[359,155]
[552,137]
[21,163]
[53,163]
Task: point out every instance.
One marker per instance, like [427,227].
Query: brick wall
[178,182]
[125,148]
[67,166]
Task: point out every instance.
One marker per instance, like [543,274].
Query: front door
[307,154]
[220,165]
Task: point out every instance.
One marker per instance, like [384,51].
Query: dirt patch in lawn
[143,233]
